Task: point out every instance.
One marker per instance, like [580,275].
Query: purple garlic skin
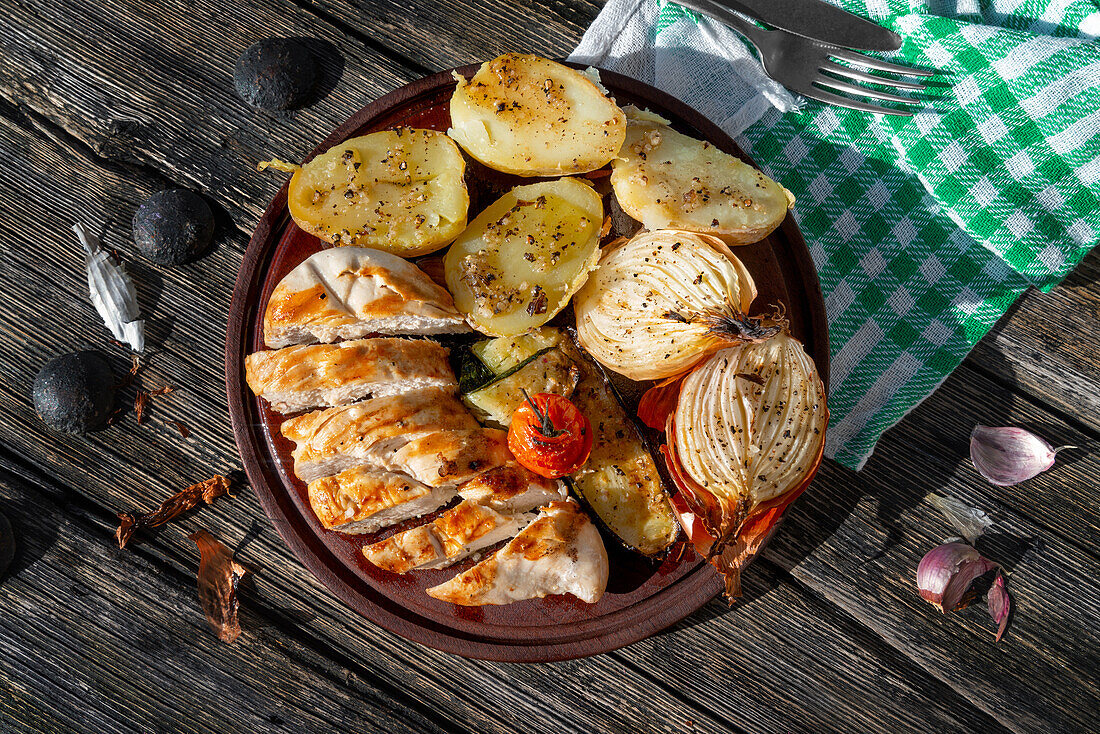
[1007,456]
[945,573]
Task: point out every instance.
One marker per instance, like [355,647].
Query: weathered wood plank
[1049,345]
[783,660]
[128,465]
[447,33]
[856,540]
[157,88]
[833,578]
[125,650]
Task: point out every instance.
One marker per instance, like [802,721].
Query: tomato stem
[547,426]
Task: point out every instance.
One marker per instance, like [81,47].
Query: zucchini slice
[619,482]
[548,370]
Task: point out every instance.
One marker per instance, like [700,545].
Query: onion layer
[746,436]
[661,301]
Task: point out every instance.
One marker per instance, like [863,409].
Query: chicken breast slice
[349,292]
[458,532]
[303,377]
[449,458]
[561,552]
[365,500]
[512,488]
[330,441]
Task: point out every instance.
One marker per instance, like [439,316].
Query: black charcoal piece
[173,227]
[275,74]
[74,392]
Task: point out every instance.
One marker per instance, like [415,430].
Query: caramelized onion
[660,302]
[746,436]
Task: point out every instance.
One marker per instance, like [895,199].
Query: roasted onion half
[745,438]
[662,301]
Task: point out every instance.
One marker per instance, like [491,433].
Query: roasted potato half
[401,191]
[524,257]
[529,116]
[667,180]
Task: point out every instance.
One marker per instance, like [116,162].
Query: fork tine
[863,76]
[872,63]
[829,98]
[863,91]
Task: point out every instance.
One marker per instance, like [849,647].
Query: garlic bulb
[661,301]
[748,430]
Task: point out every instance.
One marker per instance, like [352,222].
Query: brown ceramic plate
[643,596]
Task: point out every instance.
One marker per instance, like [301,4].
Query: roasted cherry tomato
[549,435]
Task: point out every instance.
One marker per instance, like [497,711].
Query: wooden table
[104,104]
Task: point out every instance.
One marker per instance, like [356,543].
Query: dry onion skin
[665,179]
[520,260]
[661,301]
[400,191]
[530,116]
[748,430]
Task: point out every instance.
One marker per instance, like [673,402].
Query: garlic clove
[946,572]
[1006,456]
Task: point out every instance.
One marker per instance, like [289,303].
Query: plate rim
[691,592]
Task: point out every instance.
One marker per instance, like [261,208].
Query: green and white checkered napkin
[924,230]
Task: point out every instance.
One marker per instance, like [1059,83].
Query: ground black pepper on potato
[74,392]
[173,227]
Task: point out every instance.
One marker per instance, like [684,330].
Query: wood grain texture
[135,101]
[135,466]
[445,33]
[1048,345]
[127,465]
[133,636]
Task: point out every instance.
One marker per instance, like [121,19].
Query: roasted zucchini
[620,481]
[549,370]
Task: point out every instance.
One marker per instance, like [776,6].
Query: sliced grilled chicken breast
[451,457]
[365,500]
[350,292]
[302,377]
[512,488]
[332,440]
[561,552]
[458,532]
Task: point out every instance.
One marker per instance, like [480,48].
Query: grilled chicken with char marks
[350,292]
[303,377]
[449,538]
[365,500]
[512,488]
[561,552]
[332,440]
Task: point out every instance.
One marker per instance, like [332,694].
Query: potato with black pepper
[400,190]
[668,180]
[530,116]
[522,259]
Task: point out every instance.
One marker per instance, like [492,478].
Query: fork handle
[724,15]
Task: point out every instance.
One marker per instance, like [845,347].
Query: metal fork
[800,65]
